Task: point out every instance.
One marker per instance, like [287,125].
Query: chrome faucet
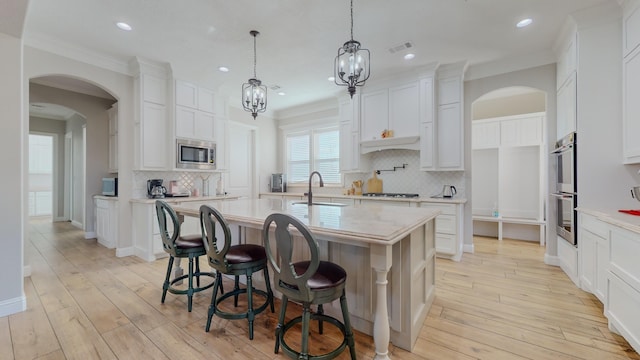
[310,196]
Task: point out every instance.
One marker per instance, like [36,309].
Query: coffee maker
[155,190]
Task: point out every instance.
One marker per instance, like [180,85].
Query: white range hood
[406,143]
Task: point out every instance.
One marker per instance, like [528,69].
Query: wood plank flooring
[502,302]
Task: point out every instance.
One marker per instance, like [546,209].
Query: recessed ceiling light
[124,26]
[223,69]
[409,56]
[282,93]
[331,78]
[524,22]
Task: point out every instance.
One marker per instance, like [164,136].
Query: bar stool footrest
[314,316]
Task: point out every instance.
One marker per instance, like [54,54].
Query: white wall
[542,78]
[603,181]
[509,105]
[13,140]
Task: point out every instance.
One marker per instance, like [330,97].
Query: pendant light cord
[351,20]
[255,57]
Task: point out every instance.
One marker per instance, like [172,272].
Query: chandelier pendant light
[254,94]
[352,66]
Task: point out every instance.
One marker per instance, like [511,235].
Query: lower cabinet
[147,241]
[106,211]
[448,230]
[609,269]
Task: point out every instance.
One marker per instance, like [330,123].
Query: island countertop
[372,223]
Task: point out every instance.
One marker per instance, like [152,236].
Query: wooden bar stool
[236,260]
[180,246]
[309,282]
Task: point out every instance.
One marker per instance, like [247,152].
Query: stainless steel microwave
[195,154]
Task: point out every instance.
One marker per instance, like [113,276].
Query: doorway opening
[41,174]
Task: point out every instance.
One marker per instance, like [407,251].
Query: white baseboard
[90,235]
[60,219]
[127,251]
[551,260]
[12,306]
[468,248]
[26,271]
[76,224]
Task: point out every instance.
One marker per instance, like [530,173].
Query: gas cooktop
[393,195]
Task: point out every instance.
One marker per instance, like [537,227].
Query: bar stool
[236,260]
[180,246]
[309,282]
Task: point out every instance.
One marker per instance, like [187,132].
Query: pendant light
[351,67]
[254,94]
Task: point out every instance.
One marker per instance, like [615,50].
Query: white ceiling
[298,40]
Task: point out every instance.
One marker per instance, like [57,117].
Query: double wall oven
[565,193]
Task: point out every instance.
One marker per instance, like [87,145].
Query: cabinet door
[521,132]
[404,109]
[631,108]
[449,90]
[602,269]
[631,28]
[346,163]
[154,89]
[566,107]
[102,224]
[449,137]
[154,137]
[222,148]
[375,114]
[186,94]
[205,100]
[446,244]
[204,126]
[185,122]
[567,59]
[426,146]
[588,260]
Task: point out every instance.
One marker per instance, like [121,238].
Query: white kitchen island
[387,251]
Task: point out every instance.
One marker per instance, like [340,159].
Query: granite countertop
[453,200]
[381,224]
[614,217]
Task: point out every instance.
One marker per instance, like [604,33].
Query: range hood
[405,143]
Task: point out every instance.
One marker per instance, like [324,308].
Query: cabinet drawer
[594,225]
[445,209]
[446,244]
[446,224]
[625,247]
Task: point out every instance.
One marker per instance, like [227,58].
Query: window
[313,150]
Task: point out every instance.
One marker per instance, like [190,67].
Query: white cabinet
[151,121]
[113,138]
[396,108]
[450,144]
[448,229]
[567,58]
[426,145]
[426,129]
[350,158]
[593,255]
[106,211]
[630,27]
[523,131]
[194,112]
[631,107]
[485,135]
[147,241]
[566,107]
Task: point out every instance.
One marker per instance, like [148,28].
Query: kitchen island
[391,299]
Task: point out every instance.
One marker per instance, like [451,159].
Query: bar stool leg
[165,286]
[236,287]
[347,325]
[320,322]
[306,318]
[283,310]
[250,315]
[212,306]
[269,291]
[190,289]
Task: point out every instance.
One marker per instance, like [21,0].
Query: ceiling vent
[274,87]
[403,46]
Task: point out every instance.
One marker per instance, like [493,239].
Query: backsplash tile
[188,180]
[410,179]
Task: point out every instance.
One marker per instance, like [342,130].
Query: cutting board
[374,185]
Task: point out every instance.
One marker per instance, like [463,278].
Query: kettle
[448,191]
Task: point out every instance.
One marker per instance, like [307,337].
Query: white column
[381,264]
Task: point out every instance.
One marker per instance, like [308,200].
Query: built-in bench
[500,220]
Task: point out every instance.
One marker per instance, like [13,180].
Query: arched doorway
[509,164]
[78,109]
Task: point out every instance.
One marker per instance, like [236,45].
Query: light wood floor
[500,303]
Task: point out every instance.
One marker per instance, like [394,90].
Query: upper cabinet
[566,82]
[194,112]
[151,134]
[350,158]
[630,83]
[390,118]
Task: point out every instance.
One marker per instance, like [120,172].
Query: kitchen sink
[318,203]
